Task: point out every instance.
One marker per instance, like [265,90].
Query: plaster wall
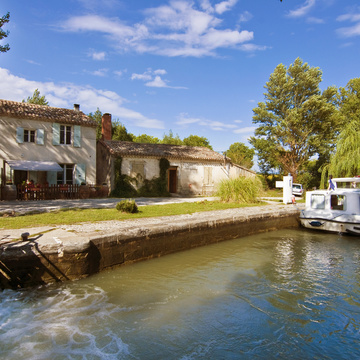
[62,154]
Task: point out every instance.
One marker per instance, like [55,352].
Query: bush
[243,190]
[128,206]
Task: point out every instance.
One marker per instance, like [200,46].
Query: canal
[289,294]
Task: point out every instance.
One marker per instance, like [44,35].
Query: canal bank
[70,252]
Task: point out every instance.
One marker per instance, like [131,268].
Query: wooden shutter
[80,174]
[56,133]
[20,135]
[40,136]
[77,136]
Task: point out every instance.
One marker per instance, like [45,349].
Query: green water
[289,294]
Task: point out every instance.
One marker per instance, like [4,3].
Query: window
[137,169]
[317,201]
[338,202]
[65,135]
[67,175]
[29,136]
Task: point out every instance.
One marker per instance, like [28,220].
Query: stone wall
[76,255]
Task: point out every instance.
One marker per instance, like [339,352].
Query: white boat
[335,210]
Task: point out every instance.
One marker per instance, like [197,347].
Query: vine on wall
[151,188]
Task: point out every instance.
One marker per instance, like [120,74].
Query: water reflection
[287,294]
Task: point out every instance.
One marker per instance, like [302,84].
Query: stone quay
[39,256]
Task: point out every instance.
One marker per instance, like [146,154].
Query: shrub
[128,206]
[243,190]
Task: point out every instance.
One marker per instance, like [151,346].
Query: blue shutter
[80,174]
[20,135]
[56,133]
[40,136]
[77,136]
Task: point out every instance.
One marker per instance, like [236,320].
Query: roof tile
[123,148]
[22,110]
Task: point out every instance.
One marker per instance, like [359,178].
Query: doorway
[172,180]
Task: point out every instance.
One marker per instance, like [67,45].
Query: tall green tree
[345,161]
[97,117]
[120,133]
[37,99]
[195,140]
[146,139]
[297,121]
[241,154]
[171,139]
[3,34]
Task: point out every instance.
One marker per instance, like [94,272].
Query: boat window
[317,201]
[338,202]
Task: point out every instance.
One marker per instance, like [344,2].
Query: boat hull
[343,227]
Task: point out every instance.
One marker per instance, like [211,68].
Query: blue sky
[196,67]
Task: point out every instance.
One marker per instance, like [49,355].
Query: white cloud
[97,55]
[66,94]
[245,130]
[185,120]
[153,79]
[177,29]
[99,72]
[349,31]
[303,10]
[157,82]
[225,6]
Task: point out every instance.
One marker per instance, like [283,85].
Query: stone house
[193,170]
[46,144]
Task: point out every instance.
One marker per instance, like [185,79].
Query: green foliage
[243,190]
[240,154]
[97,117]
[171,139]
[194,140]
[3,34]
[297,121]
[128,206]
[122,183]
[345,161]
[146,139]
[120,133]
[37,99]
[150,188]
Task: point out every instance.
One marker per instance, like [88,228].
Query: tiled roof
[22,110]
[125,148]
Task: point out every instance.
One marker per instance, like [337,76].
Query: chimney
[106,126]
[76,107]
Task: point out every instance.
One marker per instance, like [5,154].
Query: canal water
[289,294]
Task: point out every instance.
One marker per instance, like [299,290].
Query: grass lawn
[73,216]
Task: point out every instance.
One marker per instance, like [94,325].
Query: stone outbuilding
[192,171]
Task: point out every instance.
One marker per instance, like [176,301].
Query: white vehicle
[335,210]
[297,189]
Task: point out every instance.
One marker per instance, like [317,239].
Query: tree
[240,154]
[120,133]
[3,34]
[194,140]
[345,161]
[97,117]
[37,99]
[297,121]
[146,139]
[171,139]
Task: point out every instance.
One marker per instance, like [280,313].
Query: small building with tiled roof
[193,170]
[34,136]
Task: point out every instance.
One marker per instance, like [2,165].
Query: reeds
[243,190]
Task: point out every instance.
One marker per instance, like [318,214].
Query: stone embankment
[71,252]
